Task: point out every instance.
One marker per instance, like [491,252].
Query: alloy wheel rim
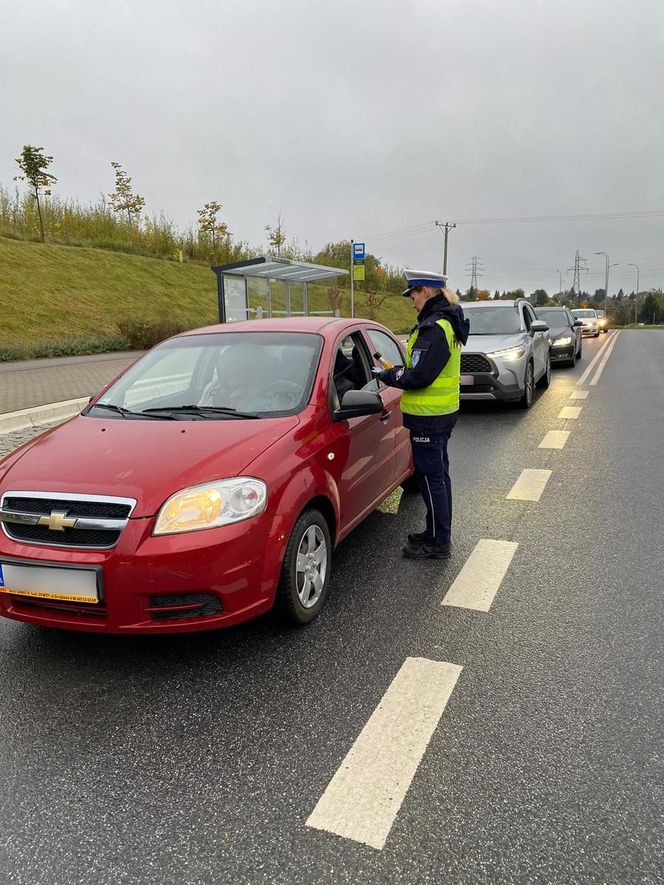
[311,566]
[529,383]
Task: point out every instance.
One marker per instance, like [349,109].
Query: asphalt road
[200,759]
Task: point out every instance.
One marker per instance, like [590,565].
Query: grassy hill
[53,293]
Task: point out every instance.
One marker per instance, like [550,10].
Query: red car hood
[146,460]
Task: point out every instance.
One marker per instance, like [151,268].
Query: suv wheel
[545,380]
[526,400]
[305,575]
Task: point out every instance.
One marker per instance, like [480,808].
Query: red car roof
[332,325]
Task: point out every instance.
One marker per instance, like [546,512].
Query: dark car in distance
[564,333]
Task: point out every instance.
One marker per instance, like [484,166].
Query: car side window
[386,347]
[350,369]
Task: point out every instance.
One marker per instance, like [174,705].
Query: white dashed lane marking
[479,580]
[554,439]
[363,798]
[570,412]
[529,486]
[580,394]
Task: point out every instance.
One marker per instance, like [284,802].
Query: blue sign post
[359,251]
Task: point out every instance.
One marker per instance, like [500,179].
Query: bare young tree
[374,302]
[208,224]
[335,298]
[276,235]
[33,165]
[123,199]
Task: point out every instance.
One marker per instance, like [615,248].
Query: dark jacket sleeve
[430,356]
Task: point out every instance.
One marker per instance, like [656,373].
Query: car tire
[300,597]
[579,353]
[526,400]
[572,362]
[545,381]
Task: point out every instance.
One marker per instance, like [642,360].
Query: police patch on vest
[415,358]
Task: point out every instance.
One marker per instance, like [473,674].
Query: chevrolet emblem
[58,521]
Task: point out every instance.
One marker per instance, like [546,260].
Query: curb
[39,415]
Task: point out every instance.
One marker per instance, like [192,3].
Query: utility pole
[474,269]
[446,227]
[578,270]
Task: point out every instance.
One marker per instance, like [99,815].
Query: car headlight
[561,342]
[211,505]
[510,353]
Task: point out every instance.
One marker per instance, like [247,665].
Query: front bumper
[562,354]
[145,581]
[504,382]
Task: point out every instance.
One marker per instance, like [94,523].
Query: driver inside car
[242,373]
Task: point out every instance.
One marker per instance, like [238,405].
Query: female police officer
[430,402]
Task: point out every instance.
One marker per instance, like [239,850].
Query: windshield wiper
[122,411]
[201,410]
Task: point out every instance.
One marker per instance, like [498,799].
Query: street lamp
[606,283]
[560,288]
[636,300]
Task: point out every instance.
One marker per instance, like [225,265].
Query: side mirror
[539,326]
[357,403]
[577,323]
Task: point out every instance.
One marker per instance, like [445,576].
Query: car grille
[175,606]
[52,607]
[100,520]
[474,362]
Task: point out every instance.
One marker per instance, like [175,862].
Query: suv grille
[474,362]
[33,518]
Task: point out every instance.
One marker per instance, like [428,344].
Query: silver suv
[507,353]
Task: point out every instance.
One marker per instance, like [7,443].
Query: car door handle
[384,417]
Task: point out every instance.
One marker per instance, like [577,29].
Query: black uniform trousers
[432,471]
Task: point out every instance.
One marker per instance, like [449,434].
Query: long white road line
[555,439]
[363,798]
[529,486]
[609,351]
[611,336]
[479,580]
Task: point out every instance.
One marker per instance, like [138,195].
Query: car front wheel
[305,574]
[545,380]
[526,400]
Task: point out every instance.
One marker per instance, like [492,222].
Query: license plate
[47,582]
[467,379]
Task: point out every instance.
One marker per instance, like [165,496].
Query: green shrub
[63,347]
[143,334]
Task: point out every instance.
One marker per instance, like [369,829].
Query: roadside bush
[143,334]
[62,347]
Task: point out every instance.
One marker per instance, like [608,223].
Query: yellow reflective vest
[441,397]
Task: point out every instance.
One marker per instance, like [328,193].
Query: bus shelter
[233,286]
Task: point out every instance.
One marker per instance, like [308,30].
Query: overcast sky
[358,119]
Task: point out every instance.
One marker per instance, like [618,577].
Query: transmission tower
[578,270]
[475,269]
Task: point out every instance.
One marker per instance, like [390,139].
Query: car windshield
[553,317]
[217,376]
[584,313]
[492,320]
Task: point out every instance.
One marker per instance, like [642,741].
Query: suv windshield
[487,320]
[584,313]
[553,317]
[217,376]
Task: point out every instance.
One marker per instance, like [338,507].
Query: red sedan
[209,481]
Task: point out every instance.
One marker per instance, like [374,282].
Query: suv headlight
[561,342]
[509,353]
[211,505]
